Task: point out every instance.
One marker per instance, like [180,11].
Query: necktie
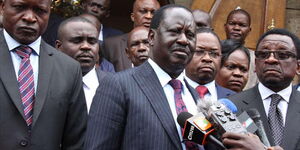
[275,119]
[202,90]
[180,107]
[26,82]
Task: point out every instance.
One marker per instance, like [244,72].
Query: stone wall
[292,20]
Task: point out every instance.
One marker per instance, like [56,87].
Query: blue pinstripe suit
[130,111]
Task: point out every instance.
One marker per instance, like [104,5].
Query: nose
[182,40]
[29,17]
[206,58]
[271,59]
[149,15]
[236,27]
[142,48]
[85,46]
[237,72]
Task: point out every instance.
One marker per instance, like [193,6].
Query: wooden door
[262,13]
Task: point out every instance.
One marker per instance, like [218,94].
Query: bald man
[202,19]
[138,45]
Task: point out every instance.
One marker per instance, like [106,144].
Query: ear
[132,17]
[151,34]
[298,67]
[58,44]
[107,14]
[127,52]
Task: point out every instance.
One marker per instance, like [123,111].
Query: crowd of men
[67,96]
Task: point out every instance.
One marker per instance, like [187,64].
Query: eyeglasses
[211,54]
[280,55]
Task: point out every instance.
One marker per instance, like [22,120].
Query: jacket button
[24,143]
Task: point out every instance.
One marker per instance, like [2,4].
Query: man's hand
[236,141]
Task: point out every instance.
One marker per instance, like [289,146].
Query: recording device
[254,114]
[197,129]
[221,117]
[247,122]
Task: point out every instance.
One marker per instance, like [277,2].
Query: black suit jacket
[114,51]
[252,99]
[130,111]
[108,32]
[60,114]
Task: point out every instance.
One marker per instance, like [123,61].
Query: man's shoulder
[116,39]
[224,92]
[108,32]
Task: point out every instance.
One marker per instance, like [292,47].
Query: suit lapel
[8,75]
[45,70]
[255,101]
[291,129]
[150,85]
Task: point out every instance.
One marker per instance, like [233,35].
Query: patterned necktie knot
[202,90]
[24,51]
[275,99]
[176,84]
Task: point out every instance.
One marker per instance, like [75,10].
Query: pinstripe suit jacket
[130,111]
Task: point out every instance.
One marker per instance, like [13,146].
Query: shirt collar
[101,33]
[90,78]
[12,43]
[211,86]
[266,92]
[163,77]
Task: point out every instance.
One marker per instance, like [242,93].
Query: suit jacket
[251,99]
[130,112]
[106,66]
[60,114]
[108,32]
[50,35]
[114,51]
[223,92]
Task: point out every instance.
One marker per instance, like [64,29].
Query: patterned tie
[180,107]
[26,82]
[202,90]
[275,119]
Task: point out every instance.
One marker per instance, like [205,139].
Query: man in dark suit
[202,69]
[50,35]
[77,37]
[101,10]
[135,109]
[114,47]
[42,100]
[277,59]
[137,49]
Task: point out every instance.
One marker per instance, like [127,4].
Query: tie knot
[176,84]
[23,51]
[275,99]
[202,90]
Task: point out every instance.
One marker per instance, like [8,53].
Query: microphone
[197,129]
[222,118]
[229,104]
[254,114]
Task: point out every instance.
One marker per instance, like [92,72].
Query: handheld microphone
[197,129]
[229,104]
[221,117]
[254,114]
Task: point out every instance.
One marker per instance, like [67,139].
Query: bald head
[202,19]
[93,19]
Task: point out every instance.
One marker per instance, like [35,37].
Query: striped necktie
[26,82]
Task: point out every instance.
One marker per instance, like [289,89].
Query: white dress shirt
[283,104]
[16,59]
[100,38]
[211,86]
[188,100]
[298,88]
[90,85]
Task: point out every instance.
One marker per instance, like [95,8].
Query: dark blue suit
[130,111]
[108,32]
[223,92]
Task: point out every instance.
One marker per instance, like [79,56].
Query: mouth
[206,69]
[272,71]
[234,34]
[146,24]
[27,29]
[236,83]
[180,52]
[143,57]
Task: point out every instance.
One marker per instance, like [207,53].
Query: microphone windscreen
[229,104]
[182,117]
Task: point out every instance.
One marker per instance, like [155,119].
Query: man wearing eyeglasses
[277,60]
[202,69]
